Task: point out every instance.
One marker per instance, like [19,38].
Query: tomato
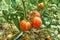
[25,26]
[37,22]
[36,14]
[41,5]
[48,38]
[33,14]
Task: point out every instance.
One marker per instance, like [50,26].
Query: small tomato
[25,26]
[48,38]
[36,14]
[41,5]
[37,22]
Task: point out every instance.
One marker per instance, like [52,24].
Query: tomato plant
[45,14]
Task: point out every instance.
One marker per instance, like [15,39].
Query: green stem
[25,12]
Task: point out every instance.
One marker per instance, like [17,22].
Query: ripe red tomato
[36,14]
[25,26]
[37,22]
[41,5]
[33,14]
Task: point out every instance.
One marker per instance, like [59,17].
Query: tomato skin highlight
[37,22]
[25,26]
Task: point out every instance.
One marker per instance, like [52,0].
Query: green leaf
[52,34]
[55,39]
[0,0]
[58,36]
[2,33]
[35,2]
[56,32]
[5,16]
[14,4]
[8,2]
[15,20]
[55,1]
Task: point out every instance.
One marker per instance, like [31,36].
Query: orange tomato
[37,22]
[48,38]
[25,26]
[41,5]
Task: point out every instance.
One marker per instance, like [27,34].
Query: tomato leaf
[8,2]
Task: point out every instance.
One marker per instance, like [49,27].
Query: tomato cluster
[34,18]
[35,21]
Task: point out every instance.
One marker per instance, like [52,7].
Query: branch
[25,12]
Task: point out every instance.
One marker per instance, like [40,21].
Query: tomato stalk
[25,11]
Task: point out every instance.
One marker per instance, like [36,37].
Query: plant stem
[25,12]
